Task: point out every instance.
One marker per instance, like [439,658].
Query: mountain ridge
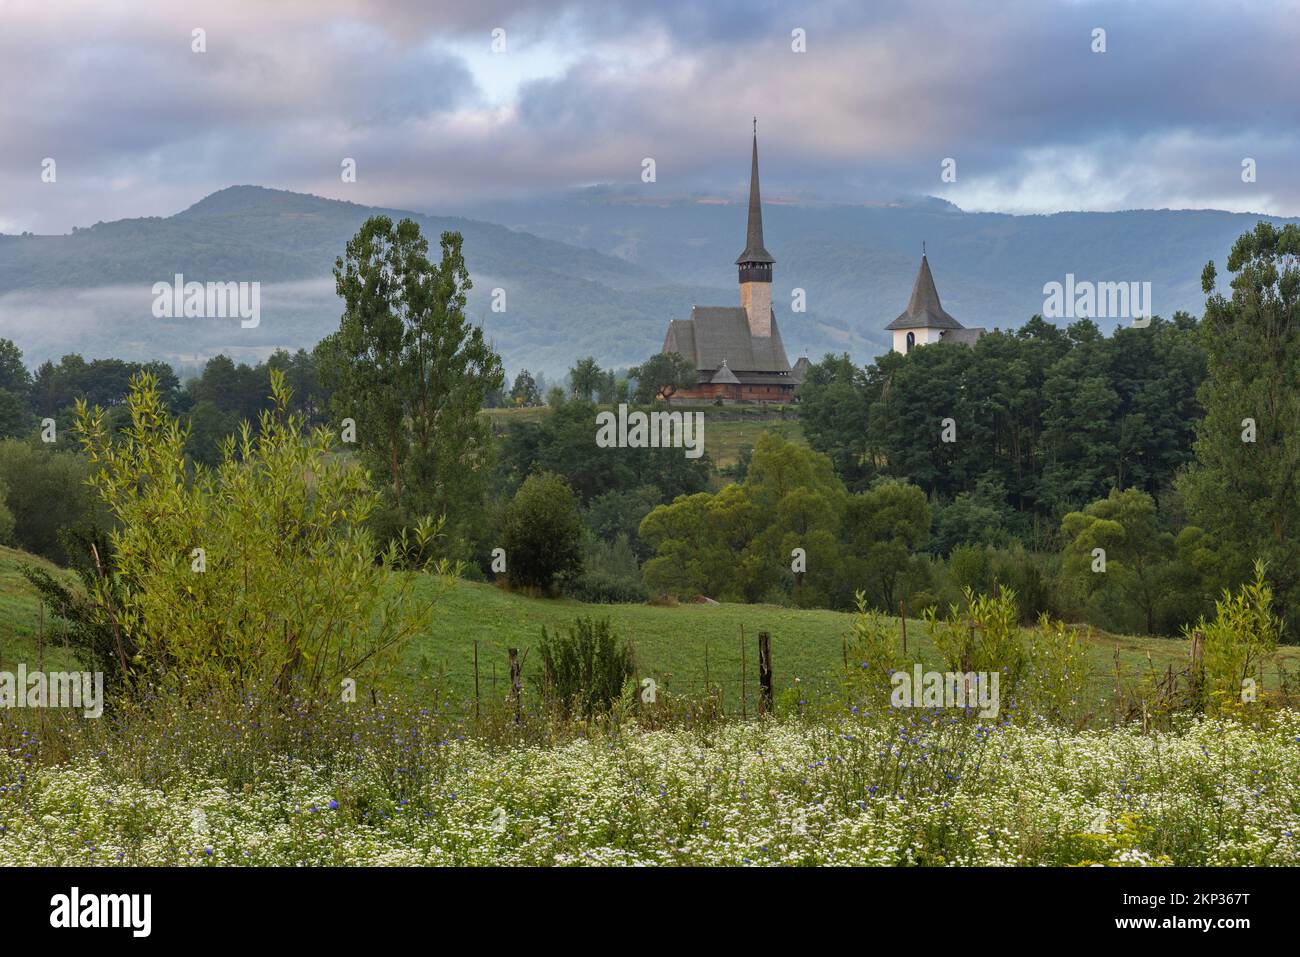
[586,273]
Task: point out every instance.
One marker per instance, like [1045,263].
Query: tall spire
[924,311]
[754,250]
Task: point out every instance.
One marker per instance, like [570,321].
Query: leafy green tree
[542,532]
[885,527]
[14,377]
[564,442]
[833,406]
[662,376]
[1136,550]
[1241,636]
[525,391]
[15,418]
[1244,486]
[47,493]
[209,428]
[411,370]
[15,386]
[585,378]
[980,517]
[805,502]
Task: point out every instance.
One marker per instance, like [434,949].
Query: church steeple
[755,254]
[756,262]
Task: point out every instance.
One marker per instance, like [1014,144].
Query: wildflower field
[377,787]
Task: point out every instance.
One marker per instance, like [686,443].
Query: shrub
[285,599]
[874,654]
[542,533]
[1243,633]
[1057,679]
[584,668]
[982,636]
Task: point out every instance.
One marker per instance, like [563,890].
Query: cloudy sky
[139,124]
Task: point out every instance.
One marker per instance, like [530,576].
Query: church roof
[966,337]
[799,371]
[724,376]
[923,309]
[715,334]
[754,250]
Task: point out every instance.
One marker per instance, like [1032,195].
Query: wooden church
[737,350]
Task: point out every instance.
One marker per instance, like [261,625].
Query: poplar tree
[1244,485]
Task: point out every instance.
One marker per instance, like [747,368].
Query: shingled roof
[715,334]
[724,376]
[754,250]
[923,309]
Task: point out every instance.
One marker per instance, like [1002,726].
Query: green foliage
[833,406]
[46,492]
[982,634]
[886,526]
[563,442]
[584,668]
[1056,682]
[874,654]
[1246,494]
[739,543]
[88,612]
[586,378]
[662,375]
[980,517]
[542,533]
[412,371]
[1243,633]
[525,391]
[610,574]
[1127,595]
[6,518]
[968,567]
[286,599]
[1047,420]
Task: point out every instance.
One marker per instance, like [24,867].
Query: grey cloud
[140,126]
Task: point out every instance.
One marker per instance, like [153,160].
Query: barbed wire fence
[755,683]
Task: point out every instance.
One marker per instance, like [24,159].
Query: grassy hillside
[677,646]
[21,619]
[671,645]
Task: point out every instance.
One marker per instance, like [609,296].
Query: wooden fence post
[1197,674]
[744,707]
[903,620]
[516,684]
[764,673]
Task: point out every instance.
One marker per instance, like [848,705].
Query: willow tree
[257,577]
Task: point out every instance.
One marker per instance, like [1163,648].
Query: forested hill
[598,271]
